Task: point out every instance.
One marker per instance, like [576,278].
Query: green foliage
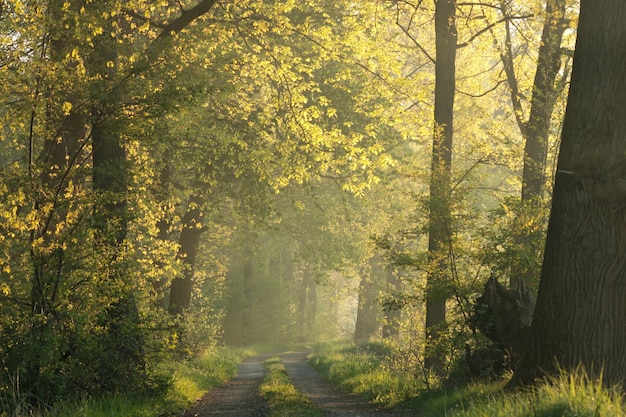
[282,397]
[514,237]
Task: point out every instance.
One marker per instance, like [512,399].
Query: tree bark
[580,313]
[366,323]
[439,230]
[307,299]
[391,327]
[536,132]
[542,102]
[192,228]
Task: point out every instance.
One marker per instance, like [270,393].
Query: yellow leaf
[67,108]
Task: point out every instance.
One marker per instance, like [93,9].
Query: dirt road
[240,397]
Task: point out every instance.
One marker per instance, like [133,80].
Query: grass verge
[365,371]
[190,380]
[371,374]
[283,398]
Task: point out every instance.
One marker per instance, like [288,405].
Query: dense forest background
[180,174]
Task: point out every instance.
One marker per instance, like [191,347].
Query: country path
[240,397]
[327,397]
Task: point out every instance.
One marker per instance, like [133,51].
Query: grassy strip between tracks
[283,398]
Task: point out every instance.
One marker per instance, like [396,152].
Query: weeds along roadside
[187,381]
[184,382]
[368,371]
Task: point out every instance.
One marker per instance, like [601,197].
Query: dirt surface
[240,397]
[326,396]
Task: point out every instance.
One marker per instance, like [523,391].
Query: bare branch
[489,27]
[415,42]
[509,69]
[483,93]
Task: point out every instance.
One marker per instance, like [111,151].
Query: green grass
[568,395]
[372,375]
[190,380]
[365,372]
[283,398]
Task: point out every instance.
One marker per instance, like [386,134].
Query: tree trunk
[123,337]
[62,153]
[543,99]
[307,307]
[439,231]
[192,228]
[535,131]
[164,225]
[580,313]
[248,309]
[391,327]
[366,321]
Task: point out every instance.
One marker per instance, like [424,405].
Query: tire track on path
[238,397]
[327,397]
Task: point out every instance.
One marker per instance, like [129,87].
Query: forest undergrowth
[369,370]
[184,381]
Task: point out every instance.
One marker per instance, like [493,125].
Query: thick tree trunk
[439,231]
[123,337]
[580,313]
[109,184]
[62,153]
[164,226]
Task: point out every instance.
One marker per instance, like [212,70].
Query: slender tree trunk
[366,320]
[391,327]
[580,313]
[164,226]
[536,132]
[545,92]
[248,309]
[192,228]
[439,231]
[307,307]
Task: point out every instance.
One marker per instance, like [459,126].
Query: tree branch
[490,26]
[186,17]
[415,42]
[509,69]
[483,93]
[142,18]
